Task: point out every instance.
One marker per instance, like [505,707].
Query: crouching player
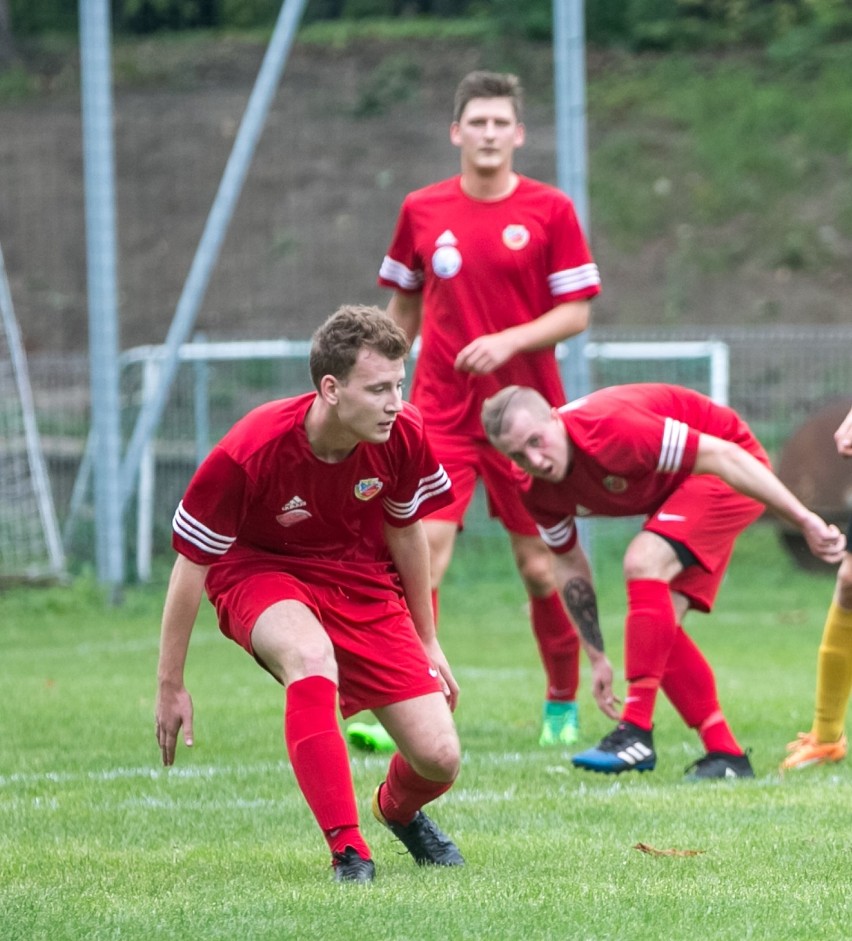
[303,525]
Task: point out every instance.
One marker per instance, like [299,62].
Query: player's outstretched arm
[843,436]
[174,705]
[745,473]
[409,550]
[574,578]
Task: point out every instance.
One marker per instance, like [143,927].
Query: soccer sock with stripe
[690,686]
[321,762]
[404,791]
[648,637]
[559,646]
[834,674]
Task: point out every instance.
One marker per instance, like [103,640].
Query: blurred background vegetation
[634,24]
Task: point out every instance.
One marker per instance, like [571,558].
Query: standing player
[697,471]
[492,269]
[303,525]
[826,741]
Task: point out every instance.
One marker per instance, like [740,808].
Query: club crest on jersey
[516,237]
[294,511]
[367,489]
[615,484]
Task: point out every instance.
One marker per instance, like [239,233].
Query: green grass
[97,841]
[746,152]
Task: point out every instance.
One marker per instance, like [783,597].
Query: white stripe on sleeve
[558,535]
[427,487]
[574,279]
[189,528]
[397,272]
[674,442]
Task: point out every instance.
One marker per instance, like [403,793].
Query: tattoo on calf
[582,605]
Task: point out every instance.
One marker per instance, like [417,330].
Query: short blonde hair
[497,409]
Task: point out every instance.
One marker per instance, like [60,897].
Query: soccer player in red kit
[698,474]
[304,527]
[492,269]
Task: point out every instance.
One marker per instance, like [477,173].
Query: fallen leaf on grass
[653,851]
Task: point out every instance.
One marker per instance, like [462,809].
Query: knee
[314,657]
[638,565]
[317,658]
[443,760]
[843,588]
[649,556]
[536,571]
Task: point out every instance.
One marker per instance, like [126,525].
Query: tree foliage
[636,24]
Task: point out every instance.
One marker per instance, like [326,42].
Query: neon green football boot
[367,737]
[560,724]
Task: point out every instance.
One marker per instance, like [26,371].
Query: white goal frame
[152,359]
[716,351]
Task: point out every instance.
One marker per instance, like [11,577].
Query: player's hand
[843,437]
[485,354]
[825,541]
[174,710]
[448,681]
[606,699]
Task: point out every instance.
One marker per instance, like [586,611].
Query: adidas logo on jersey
[293,512]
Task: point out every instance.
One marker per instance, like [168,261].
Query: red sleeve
[572,272]
[401,268]
[421,485]
[207,520]
[556,528]
[632,441]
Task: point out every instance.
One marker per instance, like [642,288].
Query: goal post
[713,379]
[30,543]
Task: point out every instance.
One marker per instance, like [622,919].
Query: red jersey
[632,447]
[262,501]
[484,266]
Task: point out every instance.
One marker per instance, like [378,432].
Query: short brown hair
[489,85]
[336,344]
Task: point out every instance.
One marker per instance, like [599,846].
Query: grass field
[97,841]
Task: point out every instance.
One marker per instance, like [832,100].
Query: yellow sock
[834,674]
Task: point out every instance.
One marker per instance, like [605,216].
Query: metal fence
[776,378]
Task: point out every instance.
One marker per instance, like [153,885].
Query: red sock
[648,637]
[559,646]
[691,688]
[405,791]
[321,762]
[639,703]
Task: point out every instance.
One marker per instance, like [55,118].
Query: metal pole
[101,253]
[571,152]
[215,229]
[569,77]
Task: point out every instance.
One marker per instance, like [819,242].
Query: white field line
[210,772]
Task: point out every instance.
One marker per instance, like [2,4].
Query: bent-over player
[699,475]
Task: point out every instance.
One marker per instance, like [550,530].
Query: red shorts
[379,655]
[706,516]
[466,460]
